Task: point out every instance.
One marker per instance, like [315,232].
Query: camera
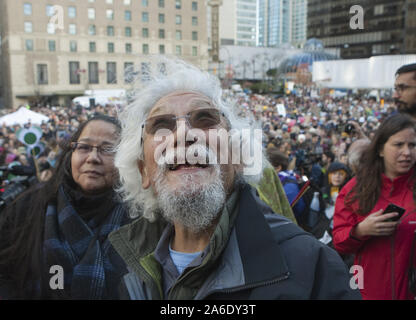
[26,178]
[349,128]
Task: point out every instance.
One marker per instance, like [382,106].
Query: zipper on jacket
[250,286]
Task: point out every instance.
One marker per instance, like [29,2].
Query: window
[29,44]
[127,31]
[178,35]
[111,72]
[109,13]
[110,31]
[93,47]
[161,3]
[52,45]
[73,47]
[42,73]
[50,28]
[72,12]
[194,51]
[194,6]
[145,48]
[161,18]
[27,9]
[194,35]
[178,4]
[128,72]
[72,28]
[145,33]
[194,21]
[93,72]
[110,47]
[178,19]
[178,50]
[91,30]
[28,27]
[145,3]
[50,11]
[91,13]
[145,17]
[127,15]
[145,68]
[109,1]
[161,49]
[161,34]
[128,48]
[127,2]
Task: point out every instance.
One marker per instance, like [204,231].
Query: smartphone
[393,208]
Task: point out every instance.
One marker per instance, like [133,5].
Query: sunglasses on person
[199,119]
[85,148]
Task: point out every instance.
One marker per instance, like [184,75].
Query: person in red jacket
[382,248]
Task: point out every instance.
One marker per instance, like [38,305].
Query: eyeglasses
[200,118]
[85,149]
[402,87]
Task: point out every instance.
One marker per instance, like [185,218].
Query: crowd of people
[124,226]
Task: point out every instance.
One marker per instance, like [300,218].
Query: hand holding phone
[393,208]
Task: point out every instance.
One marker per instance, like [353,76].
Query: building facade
[389,27]
[282,21]
[52,51]
[238,22]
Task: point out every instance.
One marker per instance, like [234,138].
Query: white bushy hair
[163,76]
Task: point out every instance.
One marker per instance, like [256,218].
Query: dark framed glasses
[85,148]
[201,119]
[402,87]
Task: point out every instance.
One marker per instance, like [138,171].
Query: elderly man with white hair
[202,232]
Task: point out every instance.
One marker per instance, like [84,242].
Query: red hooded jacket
[385,260]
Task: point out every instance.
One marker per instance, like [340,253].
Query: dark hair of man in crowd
[26,233]
[278,158]
[330,155]
[407,68]
[368,187]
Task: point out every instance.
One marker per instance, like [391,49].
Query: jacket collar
[254,233]
[261,256]
[398,181]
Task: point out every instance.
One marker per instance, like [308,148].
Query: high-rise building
[55,50]
[282,21]
[388,27]
[238,22]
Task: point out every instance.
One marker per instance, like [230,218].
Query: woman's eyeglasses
[200,118]
[85,148]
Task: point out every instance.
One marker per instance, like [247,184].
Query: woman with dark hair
[382,247]
[53,238]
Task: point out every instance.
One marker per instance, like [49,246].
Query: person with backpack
[288,179]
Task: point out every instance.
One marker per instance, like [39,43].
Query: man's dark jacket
[261,256]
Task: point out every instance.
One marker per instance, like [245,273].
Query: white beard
[193,204]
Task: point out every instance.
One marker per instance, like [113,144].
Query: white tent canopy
[23,116]
[373,73]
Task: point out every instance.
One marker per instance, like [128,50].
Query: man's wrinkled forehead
[174,100]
